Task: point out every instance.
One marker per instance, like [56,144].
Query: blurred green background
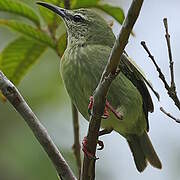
[21,156]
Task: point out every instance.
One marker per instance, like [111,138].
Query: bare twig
[173,86]
[161,75]
[102,89]
[76,145]
[169,115]
[171,91]
[39,131]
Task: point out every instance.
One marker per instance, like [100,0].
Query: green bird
[90,41]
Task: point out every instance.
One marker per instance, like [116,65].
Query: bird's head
[83,25]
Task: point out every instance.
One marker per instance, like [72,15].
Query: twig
[171,91]
[76,146]
[102,89]
[67,4]
[173,86]
[169,115]
[39,131]
[161,75]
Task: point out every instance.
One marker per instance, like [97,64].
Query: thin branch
[169,115]
[171,91]
[76,145]
[173,86]
[39,131]
[102,89]
[67,4]
[161,75]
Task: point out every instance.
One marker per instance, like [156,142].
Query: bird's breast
[80,75]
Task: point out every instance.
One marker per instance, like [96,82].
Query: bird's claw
[101,144]
[86,152]
[106,112]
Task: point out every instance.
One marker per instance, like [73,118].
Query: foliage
[21,54]
[36,32]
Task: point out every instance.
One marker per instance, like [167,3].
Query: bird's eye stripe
[77,17]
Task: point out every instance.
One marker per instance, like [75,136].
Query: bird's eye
[78,18]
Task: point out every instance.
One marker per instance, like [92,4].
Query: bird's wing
[136,76]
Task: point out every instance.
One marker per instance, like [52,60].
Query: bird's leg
[100,143]
[107,107]
[90,106]
[117,114]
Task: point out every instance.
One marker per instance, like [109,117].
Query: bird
[89,44]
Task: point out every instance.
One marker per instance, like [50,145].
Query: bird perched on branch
[90,41]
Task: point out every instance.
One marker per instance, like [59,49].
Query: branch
[173,86]
[169,115]
[101,91]
[170,90]
[67,4]
[39,131]
[76,146]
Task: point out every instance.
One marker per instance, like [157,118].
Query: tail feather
[149,151]
[143,151]
[138,154]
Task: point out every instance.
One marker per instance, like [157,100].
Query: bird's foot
[89,154]
[100,143]
[106,112]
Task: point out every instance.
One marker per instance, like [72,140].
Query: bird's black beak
[56,9]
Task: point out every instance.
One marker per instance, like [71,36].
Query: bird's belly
[126,126]
[123,98]
[126,99]
[81,78]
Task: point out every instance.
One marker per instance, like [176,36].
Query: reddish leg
[86,152]
[90,106]
[117,114]
[107,107]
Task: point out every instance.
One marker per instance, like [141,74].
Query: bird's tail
[143,152]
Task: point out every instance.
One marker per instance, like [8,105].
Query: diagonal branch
[102,89]
[169,115]
[171,91]
[39,131]
[161,75]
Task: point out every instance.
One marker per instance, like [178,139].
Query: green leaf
[51,18]
[19,56]
[116,12]
[19,8]
[61,44]
[85,4]
[29,31]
